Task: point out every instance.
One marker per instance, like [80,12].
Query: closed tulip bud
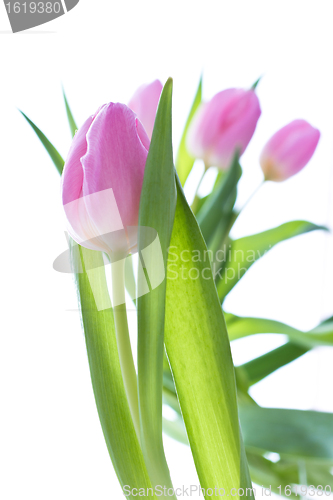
[102,180]
[222,126]
[144,104]
[289,150]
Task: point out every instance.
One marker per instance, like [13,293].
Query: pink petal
[72,176]
[144,103]
[115,159]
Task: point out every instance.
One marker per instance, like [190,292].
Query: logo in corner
[25,14]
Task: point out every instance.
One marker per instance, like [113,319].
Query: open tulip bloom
[122,195]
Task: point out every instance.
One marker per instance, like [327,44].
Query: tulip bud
[223,125]
[289,150]
[102,180]
[144,104]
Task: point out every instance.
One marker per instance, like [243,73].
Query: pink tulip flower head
[102,180]
[223,125]
[289,150]
[144,104]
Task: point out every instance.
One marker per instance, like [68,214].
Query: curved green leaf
[255,84]
[106,376]
[198,350]
[175,429]
[239,327]
[246,251]
[262,366]
[275,476]
[108,386]
[223,197]
[282,477]
[296,434]
[185,161]
[157,209]
[71,121]
[54,155]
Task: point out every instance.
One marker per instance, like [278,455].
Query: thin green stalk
[123,340]
[196,196]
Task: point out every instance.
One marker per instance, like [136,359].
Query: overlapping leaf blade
[262,366]
[305,435]
[157,209]
[199,353]
[239,327]
[221,201]
[246,251]
[282,476]
[263,427]
[106,376]
[99,331]
[54,154]
[70,117]
[185,160]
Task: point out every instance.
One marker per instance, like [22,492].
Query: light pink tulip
[289,150]
[102,179]
[144,104]
[222,125]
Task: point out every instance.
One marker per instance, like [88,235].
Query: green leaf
[185,161]
[99,330]
[199,202]
[282,475]
[212,211]
[263,473]
[286,471]
[168,382]
[239,327]
[253,371]
[246,251]
[259,368]
[275,476]
[175,429]
[198,350]
[255,84]
[72,125]
[54,155]
[157,209]
[295,434]
[106,376]
[170,399]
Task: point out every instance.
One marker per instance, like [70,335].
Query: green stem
[123,340]
[196,196]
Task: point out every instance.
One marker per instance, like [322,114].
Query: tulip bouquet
[127,216]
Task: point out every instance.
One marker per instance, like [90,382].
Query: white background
[51,444]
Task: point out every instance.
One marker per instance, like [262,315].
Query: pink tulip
[144,104]
[223,125]
[289,150]
[102,179]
